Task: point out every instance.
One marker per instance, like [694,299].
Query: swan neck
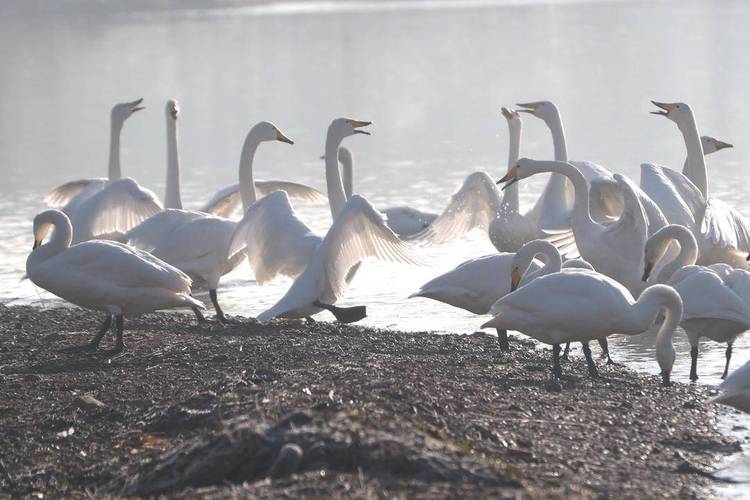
[510,198]
[553,260]
[558,137]
[247,182]
[115,130]
[695,164]
[688,251]
[581,215]
[347,175]
[62,236]
[554,204]
[336,194]
[172,195]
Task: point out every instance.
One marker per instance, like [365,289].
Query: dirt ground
[327,410]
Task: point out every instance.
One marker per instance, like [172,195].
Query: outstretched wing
[359,232]
[276,241]
[724,226]
[678,198]
[228,200]
[61,195]
[475,204]
[149,233]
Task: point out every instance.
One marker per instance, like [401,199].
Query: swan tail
[344,314]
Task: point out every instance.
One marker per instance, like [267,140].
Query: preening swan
[735,390]
[196,242]
[615,249]
[103,275]
[714,306]
[478,203]
[582,306]
[106,208]
[723,235]
[404,221]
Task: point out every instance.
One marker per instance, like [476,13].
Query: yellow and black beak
[510,178]
[665,106]
[135,105]
[530,107]
[508,113]
[647,270]
[515,279]
[282,138]
[356,124]
[722,144]
[37,243]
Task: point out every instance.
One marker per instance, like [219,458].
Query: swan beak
[666,106]
[510,178]
[722,145]
[357,124]
[530,107]
[665,378]
[37,243]
[282,138]
[515,279]
[508,113]
[134,105]
[647,270]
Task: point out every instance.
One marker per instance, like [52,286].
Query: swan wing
[225,202]
[678,198]
[121,205]
[276,241]
[153,230]
[228,200]
[202,241]
[724,226]
[630,231]
[359,232]
[473,205]
[61,195]
[565,242]
[705,295]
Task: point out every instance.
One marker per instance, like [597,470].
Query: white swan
[404,221]
[478,283]
[735,390]
[478,203]
[277,242]
[723,235]
[103,275]
[196,242]
[615,249]
[714,307]
[106,208]
[582,306]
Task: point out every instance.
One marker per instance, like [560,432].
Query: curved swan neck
[336,194]
[688,250]
[247,182]
[552,260]
[654,299]
[695,165]
[581,215]
[347,171]
[62,236]
[554,202]
[115,130]
[172,196]
[510,198]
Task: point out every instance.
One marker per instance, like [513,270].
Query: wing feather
[227,201]
[61,195]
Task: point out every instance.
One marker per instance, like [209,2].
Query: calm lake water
[430,75]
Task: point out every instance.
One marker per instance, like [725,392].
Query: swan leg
[694,363]
[566,351]
[729,356]
[120,345]
[344,314]
[199,316]
[94,343]
[556,370]
[593,372]
[604,344]
[502,338]
[219,313]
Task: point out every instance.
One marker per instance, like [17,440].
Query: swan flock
[597,254]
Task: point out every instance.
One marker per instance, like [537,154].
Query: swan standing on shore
[404,221]
[106,208]
[103,275]
[713,306]
[582,306]
[479,203]
[196,242]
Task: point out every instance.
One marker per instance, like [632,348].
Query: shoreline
[361,411]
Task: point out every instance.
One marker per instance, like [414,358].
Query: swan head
[123,110]
[678,112]
[173,109]
[267,132]
[712,145]
[525,167]
[541,109]
[514,119]
[656,247]
[345,127]
[42,224]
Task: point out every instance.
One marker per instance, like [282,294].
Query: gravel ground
[327,410]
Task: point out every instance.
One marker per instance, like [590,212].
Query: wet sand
[332,411]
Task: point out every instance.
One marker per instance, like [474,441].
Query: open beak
[510,178]
[722,145]
[282,138]
[665,106]
[135,105]
[647,270]
[515,279]
[37,243]
[508,113]
[530,107]
[356,124]
[665,378]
